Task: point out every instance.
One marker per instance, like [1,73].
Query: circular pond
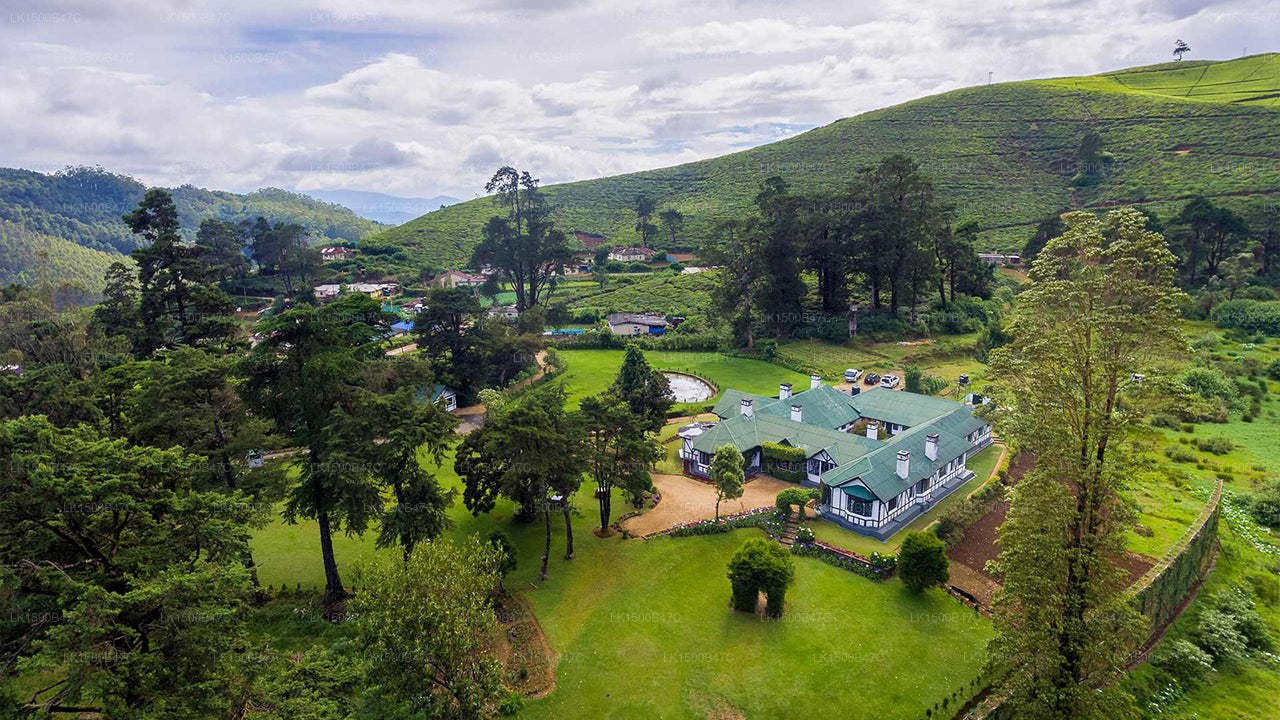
[687,388]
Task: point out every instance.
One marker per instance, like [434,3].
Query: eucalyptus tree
[1100,305]
[524,244]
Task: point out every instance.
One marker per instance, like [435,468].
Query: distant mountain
[1004,155]
[59,215]
[380,207]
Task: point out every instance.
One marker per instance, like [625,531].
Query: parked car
[852,374]
[871,379]
[890,381]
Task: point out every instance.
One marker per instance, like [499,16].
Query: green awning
[859,492]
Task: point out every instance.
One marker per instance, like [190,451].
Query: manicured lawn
[590,371]
[643,629]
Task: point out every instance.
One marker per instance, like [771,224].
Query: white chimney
[746,406]
[904,464]
[784,391]
[873,430]
[795,413]
[814,381]
[931,446]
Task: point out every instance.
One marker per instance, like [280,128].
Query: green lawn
[643,629]
[590,371]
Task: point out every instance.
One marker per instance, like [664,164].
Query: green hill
[1004,155]
[74,216]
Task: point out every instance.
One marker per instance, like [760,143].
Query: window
[922,485]
[893,504]
[861,508]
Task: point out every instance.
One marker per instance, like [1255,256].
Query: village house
[376,291]
[637,324]
[826,439]
[457,278]
[336,252]
[996,258]
[631,254]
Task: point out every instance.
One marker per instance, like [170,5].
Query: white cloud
[428,97]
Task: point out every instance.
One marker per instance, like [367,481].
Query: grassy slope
[1002,154]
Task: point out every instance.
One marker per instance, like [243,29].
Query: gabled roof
[745,433]
[900,407]
[878,469]
[823,406]
[730,403]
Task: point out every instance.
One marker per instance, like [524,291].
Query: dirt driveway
[687,500]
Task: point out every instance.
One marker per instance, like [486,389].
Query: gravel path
[686,500]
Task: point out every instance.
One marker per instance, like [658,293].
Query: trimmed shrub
[922,561]
[1179,454]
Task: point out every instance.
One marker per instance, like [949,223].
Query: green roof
[745,433]
[869,462]
[823,406]
[878,469]
[901,407]
[730,403]
[859,492]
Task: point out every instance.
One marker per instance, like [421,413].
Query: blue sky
[430,97]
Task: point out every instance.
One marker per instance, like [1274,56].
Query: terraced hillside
[1004,155]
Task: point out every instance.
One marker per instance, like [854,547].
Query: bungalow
[336,252]
[868,485]
[457,278]
[637,324]
[631,254]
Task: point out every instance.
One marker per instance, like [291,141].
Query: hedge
[876,567]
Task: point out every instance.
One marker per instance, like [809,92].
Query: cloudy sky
[430,96]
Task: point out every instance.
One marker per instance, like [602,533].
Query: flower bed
[876,567]
[756,517]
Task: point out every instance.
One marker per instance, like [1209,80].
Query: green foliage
[761,565]
[1265,504]
[794,498]
[785,453]
[1216,445]
[1254,316]
[425,624]
[727,474]
[138,567]
[922,561]
[1183,660]
[43,216]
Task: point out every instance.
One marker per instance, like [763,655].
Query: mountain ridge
[1004,155]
